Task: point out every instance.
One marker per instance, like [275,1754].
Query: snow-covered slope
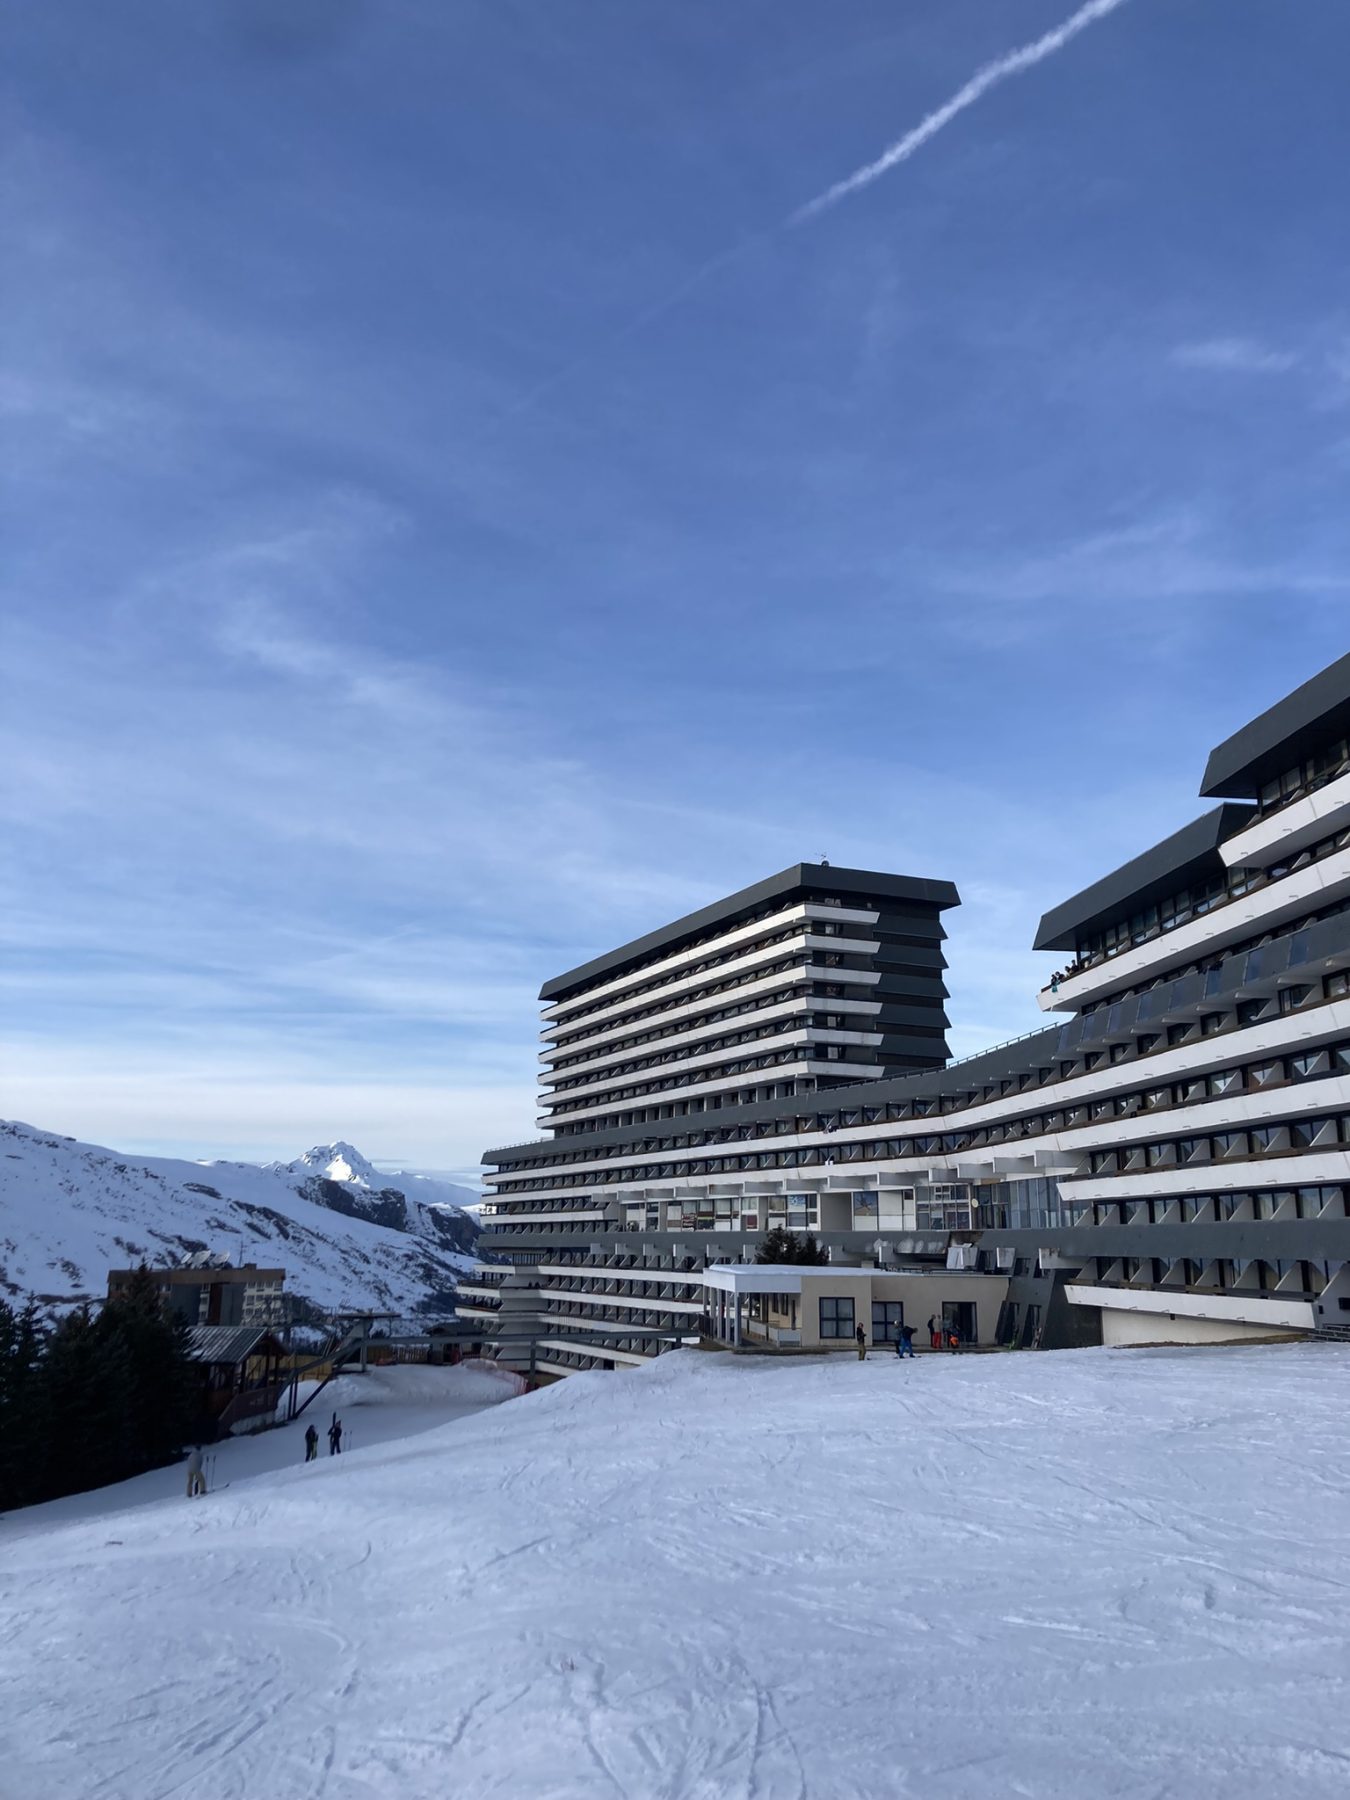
[69,1212]
[1091,1573]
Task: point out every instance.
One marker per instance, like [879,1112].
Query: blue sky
[423,570]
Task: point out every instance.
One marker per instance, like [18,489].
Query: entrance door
[960,1316]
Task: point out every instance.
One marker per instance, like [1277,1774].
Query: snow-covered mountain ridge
[347,1235]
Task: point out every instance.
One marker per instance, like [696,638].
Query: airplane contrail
[1002,69]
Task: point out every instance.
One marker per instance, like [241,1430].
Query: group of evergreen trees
[94,1398]
[781,1246]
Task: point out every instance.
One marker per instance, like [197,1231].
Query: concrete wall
[921,1295]
[1124,1328]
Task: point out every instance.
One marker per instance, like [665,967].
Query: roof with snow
[228,1343]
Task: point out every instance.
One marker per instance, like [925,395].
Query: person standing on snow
[861,1336]
[311,1443]
[335,1437]
[934,1334]
[196,1481]
[904,1342]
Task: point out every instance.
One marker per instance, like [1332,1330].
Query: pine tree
[83,1389]
[779,1246]
[809,1251]
[21,1425]
[148,1343]
[96,1399]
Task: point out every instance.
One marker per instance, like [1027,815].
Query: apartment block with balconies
[1167,1161]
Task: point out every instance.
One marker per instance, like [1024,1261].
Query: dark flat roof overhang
[725,913]
[1178,861]
[1315,714]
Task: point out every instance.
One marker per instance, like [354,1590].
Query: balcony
[1304,818]
[1262,904]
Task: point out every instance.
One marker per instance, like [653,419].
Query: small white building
[820,1306]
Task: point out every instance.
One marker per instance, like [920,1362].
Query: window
[836,1316]
[887,1318]
[1230,1143]
[1305,1133]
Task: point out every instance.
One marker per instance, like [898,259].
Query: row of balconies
[1320,872]
[1253,1145]
[822,955]
[1221,1276]
[1194,1090]
[718,949]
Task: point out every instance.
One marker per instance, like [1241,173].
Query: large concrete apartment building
[1168,1160]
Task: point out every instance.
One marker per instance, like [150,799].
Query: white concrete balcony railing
[582,1297]
[683,959]
[1258,910]
[724,1084]
[1288,1031]
[633,1358]
[558,1215]
[1292,828]
[656,1082]
[678,1040]
[639,1272]
[1225,1305]
[1311,1168]
[706,993]
[1228,1112]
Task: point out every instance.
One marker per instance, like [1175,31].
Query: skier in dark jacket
[861,1337]
[904,1341]
[335,1437]
[311,1443]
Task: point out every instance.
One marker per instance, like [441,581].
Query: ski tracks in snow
[1054,1576]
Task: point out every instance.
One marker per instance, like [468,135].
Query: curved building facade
[1167,1161]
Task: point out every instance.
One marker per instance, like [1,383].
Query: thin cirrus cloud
[992,75]
[1235,356]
